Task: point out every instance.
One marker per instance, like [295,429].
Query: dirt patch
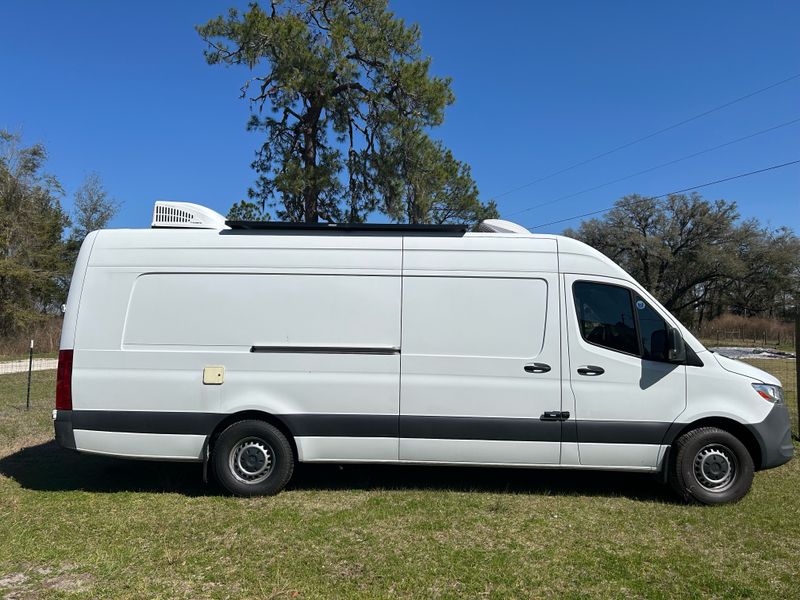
[32,581]
[68,582]
[14,586]
[13,580]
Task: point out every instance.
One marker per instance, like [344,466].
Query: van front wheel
[711,466]
[252,458]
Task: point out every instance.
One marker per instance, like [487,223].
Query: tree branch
[355,85]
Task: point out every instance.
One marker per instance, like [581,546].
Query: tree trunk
[310,191]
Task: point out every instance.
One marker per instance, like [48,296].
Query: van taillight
[64,380]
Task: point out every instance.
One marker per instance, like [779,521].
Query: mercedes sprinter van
[249,346]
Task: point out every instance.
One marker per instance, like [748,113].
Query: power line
[688,189]
[646,137]
[660,166]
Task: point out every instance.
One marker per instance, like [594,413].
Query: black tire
[711,466]
[252,458]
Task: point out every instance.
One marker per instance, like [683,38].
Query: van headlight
[771,393]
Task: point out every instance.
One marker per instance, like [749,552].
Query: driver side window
[616,318]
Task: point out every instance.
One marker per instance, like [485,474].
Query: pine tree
[343,95]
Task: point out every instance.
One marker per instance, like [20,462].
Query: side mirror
[676,347]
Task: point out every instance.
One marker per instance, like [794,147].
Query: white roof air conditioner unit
[186,215]
[500,226]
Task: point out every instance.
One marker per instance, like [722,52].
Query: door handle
[554,415]
[537,368]
[591,371]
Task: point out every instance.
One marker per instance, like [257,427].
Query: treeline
[39,240]
[699,258]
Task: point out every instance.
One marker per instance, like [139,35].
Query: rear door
[626,395]
[480,367]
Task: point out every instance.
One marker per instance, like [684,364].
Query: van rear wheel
[252,458]
[711,466]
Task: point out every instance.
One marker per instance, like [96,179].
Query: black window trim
[638,324]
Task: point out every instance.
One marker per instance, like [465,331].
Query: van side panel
[269,312]
[476,312]
[321,313]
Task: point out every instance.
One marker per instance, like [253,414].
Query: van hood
[742,368]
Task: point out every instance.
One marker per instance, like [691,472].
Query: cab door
[626,393]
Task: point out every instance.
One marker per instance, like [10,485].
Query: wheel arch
[255,415]
[742,433]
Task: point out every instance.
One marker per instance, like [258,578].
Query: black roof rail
[315,228]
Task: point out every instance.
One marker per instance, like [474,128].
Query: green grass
[95,527]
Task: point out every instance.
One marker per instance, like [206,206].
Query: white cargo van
[249,346]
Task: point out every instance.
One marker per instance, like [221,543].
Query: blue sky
[123,89]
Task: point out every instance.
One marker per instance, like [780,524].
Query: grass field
[75,525]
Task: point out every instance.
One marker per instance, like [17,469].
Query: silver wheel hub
[251,460]
[715,468]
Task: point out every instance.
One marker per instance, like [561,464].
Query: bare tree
[93,207]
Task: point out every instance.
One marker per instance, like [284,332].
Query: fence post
[30,371]
[797,360]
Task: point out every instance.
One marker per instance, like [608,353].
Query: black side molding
[323,350]
[135,421]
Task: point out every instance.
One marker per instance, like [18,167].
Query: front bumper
[774,436]
[62,421]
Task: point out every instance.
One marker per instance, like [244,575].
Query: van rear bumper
[62,422]
[774,436]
